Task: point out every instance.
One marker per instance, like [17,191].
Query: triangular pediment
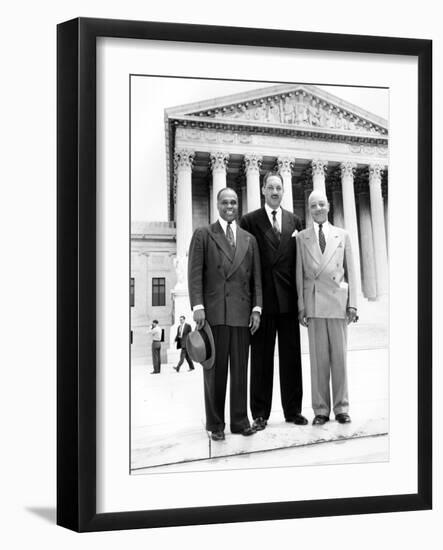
[288,105]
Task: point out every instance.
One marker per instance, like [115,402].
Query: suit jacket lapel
[331,245]
[219,237]
[286,232]
[267,229]
[313,246]
[242,245]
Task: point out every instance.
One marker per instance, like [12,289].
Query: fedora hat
[200,346]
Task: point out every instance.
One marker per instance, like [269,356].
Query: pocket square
[294,234]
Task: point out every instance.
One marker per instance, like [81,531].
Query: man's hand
[254,321]
[302,318]
[199,318]
[351,315]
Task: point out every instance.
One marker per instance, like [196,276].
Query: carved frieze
[297,108]
[238,138]
[268,144]
[369,150]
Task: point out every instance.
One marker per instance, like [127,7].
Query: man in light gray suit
[326,286]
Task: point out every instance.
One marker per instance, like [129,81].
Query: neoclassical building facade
[313,139]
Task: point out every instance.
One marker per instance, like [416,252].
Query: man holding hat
[225,291]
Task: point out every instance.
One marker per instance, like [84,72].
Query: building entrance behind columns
[302,184]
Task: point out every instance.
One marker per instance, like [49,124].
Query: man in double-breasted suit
[225,289]
[326,284]
[275,230]
[182,335]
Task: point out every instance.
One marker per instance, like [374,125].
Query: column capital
[348,169]
[319,167]
[285,165]
[253,163]
[183,159]
[375,171]
[219,161]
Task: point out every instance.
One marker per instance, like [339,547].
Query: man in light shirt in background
[156,334]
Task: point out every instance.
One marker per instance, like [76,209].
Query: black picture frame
[76,279]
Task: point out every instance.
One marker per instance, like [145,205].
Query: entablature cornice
[205,140]
[277,129]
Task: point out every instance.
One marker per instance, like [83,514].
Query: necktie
[321,238]
[275,223]
[230,235]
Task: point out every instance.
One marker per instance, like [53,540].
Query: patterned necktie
[230,235]
[321,238]
[275,223]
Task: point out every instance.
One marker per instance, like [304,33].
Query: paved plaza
[167,418]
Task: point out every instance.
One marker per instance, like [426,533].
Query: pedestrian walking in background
[182,335]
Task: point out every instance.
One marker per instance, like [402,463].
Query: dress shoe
[298,419]
[189,370]
[177,369]
[218,435]
[246,431]
[154,372]
[259,423]
[320,419]
[343,418]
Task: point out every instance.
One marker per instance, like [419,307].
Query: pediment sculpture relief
[295,109]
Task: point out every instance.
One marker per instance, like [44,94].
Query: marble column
[219,164]
[337,202]
[378,229]
[183,160]
[384,193]
[350,214]
[285,165]
[252,170]
[244,199]
[308,217]
[318,175]
[367,247]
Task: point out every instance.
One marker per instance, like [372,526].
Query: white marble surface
[168,416]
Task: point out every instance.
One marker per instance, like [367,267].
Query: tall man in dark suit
[275,230]
[182,335]
[225,289]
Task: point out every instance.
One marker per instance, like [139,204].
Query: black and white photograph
[259,274]
[221,307]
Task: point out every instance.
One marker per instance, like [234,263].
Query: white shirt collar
[278,215]
[269,210]
[325,228]
[224,225]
